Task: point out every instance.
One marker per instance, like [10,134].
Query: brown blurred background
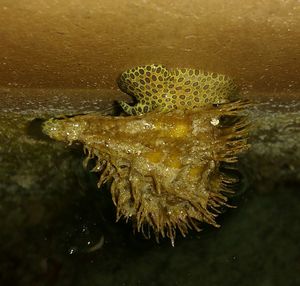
[86,44]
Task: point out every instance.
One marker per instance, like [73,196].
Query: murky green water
[57,228]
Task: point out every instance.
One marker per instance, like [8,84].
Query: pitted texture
[157,88]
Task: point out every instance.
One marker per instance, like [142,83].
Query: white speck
[72,250]
[98,245]
[215,121]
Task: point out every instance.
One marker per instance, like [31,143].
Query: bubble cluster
[157,88]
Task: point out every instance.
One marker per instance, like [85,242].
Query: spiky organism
[164,167]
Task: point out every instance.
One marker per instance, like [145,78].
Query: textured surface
[164,167]
[157,87]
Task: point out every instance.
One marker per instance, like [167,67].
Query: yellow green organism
[157,88]
[166,169]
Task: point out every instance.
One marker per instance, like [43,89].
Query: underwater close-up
[147,142]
